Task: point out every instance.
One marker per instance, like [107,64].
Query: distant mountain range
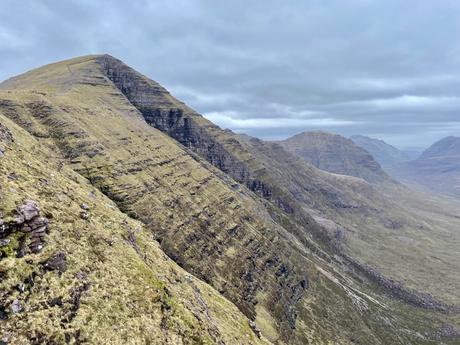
[383,153]
[437,168]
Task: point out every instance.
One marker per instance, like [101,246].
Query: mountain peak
[448,146]
[315,133]
[336,154]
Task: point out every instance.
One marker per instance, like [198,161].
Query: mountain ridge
[181,196]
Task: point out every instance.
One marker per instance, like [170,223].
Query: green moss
[10,250]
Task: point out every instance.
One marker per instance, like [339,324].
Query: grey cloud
[271,68]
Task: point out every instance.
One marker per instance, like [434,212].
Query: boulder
[57,262]
[16,306]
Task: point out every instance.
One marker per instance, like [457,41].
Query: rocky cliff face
[259,247]
[163,112]
[195,213]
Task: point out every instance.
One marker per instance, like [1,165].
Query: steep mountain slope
[437,168]
[336,154]
[382,152]
[345,201]
[258,246]
[91,274]
[205,221]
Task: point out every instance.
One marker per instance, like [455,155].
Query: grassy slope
[135,294]
[105,139]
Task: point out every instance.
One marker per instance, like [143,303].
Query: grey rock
[84,215]
[13,176]
[255,329]
[29,210]
[21,287]
[57,262]
[84,207]
[4,242]
[19,219]
[5,135]
[28,220]
[393,224]
[16,306]
[56,301]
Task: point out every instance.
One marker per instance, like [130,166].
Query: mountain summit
[334,153]
[446,148]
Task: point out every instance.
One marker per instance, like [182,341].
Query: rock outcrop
[26,233]
[163,112]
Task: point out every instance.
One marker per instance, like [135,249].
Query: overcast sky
[388,69]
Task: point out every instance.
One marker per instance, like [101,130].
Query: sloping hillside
[235,213]
[382,152]
[75,269]
[437,168]
[336,154]
[444,149]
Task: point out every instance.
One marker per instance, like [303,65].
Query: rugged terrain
[258,242]
[96,276]
[386,154]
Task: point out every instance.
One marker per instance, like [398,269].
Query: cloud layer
[388,69]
